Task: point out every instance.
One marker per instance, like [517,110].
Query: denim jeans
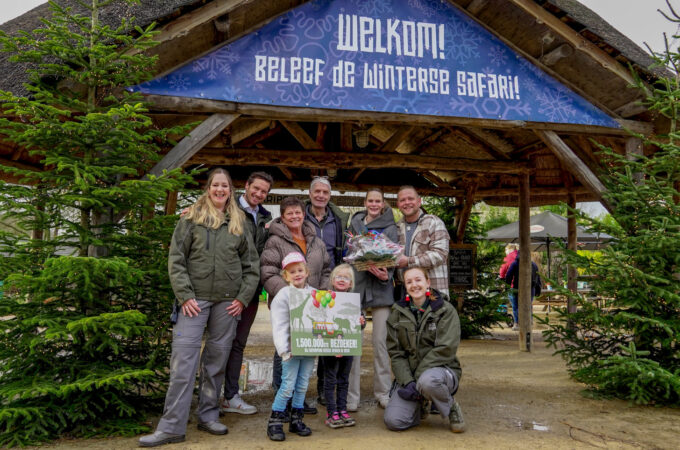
[294,381]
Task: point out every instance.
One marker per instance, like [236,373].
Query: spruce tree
[631,348]
[83,335]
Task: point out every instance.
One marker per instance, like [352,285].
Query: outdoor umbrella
[546,228]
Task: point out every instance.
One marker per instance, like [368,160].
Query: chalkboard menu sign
[462,273]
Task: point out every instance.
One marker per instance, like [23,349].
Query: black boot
[286,415]
[275,427]
[296,423]
[309,409]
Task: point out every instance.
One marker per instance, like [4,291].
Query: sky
[637,19]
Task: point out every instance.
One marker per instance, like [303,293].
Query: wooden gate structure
[501,162]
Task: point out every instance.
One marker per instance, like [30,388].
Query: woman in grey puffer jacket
[377,294]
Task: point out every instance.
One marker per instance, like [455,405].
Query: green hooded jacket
[413,349]
[212,264]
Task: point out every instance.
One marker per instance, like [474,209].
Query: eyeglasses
[323,177]
[342,278]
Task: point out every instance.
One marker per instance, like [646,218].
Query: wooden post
[572,283]
[171,203]
[465,212]
[192,143]
[524,294]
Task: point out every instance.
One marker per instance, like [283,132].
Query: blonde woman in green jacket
[214,271]
[423,334]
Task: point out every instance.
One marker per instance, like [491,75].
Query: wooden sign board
[462,273]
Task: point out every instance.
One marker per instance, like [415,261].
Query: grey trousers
[382,370]
[437,384]
[186,348]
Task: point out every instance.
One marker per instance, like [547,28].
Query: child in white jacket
[296,370]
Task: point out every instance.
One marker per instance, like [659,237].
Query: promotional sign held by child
[337,367]
[296,370]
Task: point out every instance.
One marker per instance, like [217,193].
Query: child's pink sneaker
[334,420]
[347,420]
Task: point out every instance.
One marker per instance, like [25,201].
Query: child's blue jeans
[294,381]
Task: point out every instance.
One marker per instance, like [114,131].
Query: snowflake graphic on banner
[556,105]
[497,55]
[179,83]
[214,63]
[461,42]
[373,8]
[428,8]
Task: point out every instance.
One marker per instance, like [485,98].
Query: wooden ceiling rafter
[399,137]
[300,135]
[477,144]
[351,160]
[429,141]
[244,129]
[255,139]
[206,106]
[579,42]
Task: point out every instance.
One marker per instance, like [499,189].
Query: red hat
[292,258]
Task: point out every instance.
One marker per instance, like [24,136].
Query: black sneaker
[309,409]
[321,401]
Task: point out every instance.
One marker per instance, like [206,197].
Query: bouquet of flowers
[371,248]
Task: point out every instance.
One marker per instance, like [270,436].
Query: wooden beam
[395,140]
[320,134]
[192,143]
[524,294]
[465,212]
[434,179]
[536,191]
[17,165]
[171,203]
[479,145]
[579,42]
[634,150]
[286,172]
[492,139]
[245,128]
[255,139]
[430,140]
[184,24]
[572,283]
[356,176]
[631,109]
[203,106]
[300,135]
[476,6]
[562,51]
[574,164]
[363,187]
[350,160]
[346,137]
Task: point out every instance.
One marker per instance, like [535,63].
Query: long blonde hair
[203,212]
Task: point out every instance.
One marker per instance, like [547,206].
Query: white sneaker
[515,327]
[352,407]
[383,402]
[236,405]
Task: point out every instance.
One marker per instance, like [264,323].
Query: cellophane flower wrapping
[372,248]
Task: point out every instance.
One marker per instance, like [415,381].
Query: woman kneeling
[423,333]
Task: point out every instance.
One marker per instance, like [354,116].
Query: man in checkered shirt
[425,240]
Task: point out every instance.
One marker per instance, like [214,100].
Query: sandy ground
[510,399]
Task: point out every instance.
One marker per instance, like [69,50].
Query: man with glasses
[257,187]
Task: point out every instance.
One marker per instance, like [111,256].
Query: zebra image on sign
[325,323]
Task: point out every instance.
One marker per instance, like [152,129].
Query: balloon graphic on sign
[323,298]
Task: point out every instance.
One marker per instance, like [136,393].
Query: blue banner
[399,56]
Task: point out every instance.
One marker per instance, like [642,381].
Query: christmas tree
[631,348]
[86,304]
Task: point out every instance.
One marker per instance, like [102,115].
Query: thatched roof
[145,13]
[448,157]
